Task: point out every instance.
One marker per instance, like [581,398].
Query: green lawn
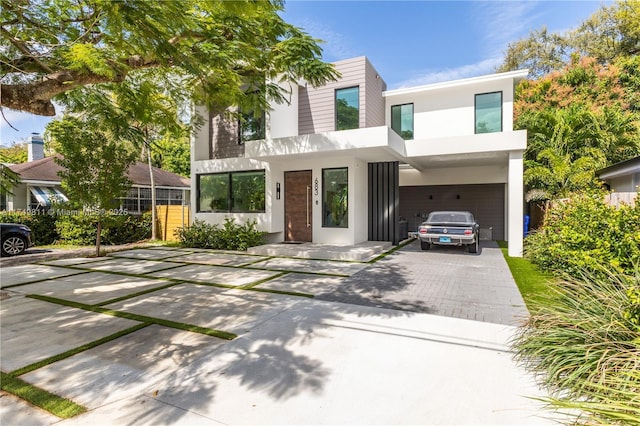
[531,282]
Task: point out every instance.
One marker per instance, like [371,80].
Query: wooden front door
[297,206]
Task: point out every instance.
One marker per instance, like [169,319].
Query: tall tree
[136,113]
[578,120]
[214,49]
[95,165]
[611,32]
[173,155]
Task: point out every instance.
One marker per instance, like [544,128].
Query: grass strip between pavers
[262,281]
[54,404]
[59,357]
[135,317]
[288,293]
[393,250]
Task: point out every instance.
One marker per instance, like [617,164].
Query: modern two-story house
[347,162]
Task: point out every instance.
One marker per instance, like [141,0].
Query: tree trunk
[153,195]
[98,234]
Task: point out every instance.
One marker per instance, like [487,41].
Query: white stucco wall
[449,110]
[454,175]
[515,207]
[272,220]
[283,118]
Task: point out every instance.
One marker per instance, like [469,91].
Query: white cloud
[486,66]
[335,47]
[501,22]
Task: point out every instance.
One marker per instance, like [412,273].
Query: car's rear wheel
[13,245]
[473,248]
[425,245]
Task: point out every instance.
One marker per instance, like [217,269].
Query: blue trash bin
[527,220]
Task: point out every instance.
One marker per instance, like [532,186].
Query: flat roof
[515,75]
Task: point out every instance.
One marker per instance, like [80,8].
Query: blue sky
[410,43]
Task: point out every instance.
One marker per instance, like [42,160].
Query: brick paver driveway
[442,281]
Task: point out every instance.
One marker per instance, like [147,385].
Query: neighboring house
[623,179]
[40,184]
[623,176]
[345,162]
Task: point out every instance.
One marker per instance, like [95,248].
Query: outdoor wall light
[277,190]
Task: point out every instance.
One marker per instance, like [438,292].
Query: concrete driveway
[295,360]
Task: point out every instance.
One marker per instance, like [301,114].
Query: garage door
[485,201]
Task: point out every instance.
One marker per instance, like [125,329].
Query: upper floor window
[402,120]
[348,108]
[251,127]
[488,111]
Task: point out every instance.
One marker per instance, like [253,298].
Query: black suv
[15,238]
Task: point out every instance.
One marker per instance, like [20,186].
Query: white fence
[617,198]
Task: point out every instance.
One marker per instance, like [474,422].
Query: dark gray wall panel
[383,200]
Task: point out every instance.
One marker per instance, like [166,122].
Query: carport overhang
[379,144]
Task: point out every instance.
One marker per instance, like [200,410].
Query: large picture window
[348,108]
[237,192]
[488,112]
[335,198]
[402,120]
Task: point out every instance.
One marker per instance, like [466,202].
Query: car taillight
[423,231]
[468,232]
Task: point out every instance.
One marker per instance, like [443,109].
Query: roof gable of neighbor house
[46,169]
[623,168]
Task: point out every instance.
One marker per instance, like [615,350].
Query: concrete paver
[311,265]
[148,254]
[217,258]
[215,275]
[90,288]
[28,323]
[12,275]
[129,266]
[303,283]
[71,261]
[123,367]
[20,412]
[231,310]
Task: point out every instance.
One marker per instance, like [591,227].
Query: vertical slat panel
[384,201]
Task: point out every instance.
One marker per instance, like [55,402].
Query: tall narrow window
[488,111]
[335,198]
[402,120]
[348,108]
[251,127]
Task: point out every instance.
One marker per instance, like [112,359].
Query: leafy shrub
[585,233]
[42,225]
[116,229]
[231,236]
[585,344]
[122,229]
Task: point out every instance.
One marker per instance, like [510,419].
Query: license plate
[445,239]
